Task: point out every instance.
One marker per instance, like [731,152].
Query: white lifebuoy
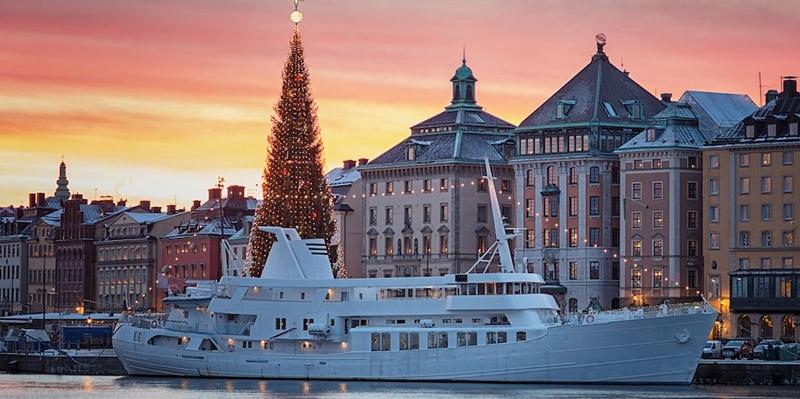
[154,324]
[590,319]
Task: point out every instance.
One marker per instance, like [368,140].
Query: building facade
[42,264]
[75,254]
[568,182]
[13,273]
[661,209]
[751,178]
[426,205]
[127,257]
[348,212]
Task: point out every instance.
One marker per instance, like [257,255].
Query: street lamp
[89,322]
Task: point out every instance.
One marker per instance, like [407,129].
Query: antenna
[760,91]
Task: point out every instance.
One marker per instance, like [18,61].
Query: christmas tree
[295,192]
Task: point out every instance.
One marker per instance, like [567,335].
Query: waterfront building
[426,205]
[127,257]
[41,284]
[348,213]
[191,251]
[568,182]
[661,197]
[750,175]
[13,273]
[75,253]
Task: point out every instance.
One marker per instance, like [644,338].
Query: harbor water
[29,386]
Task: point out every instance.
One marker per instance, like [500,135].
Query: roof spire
[464,55]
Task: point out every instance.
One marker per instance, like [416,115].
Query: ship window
[381,342]
[521,336]
[409,341]
[498,337]
[306,322]
[467,338]
[302,295]
[207,345]
[345,296]
[280,323]
[437,340]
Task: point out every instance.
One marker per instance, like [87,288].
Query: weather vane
[296,16]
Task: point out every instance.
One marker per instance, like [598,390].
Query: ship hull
[662,350]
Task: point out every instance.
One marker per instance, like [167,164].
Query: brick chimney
[145,204]
[235,192]
[214,193]
[155,209]
[362,161]
[39,199]
[31,200]
[122,202]
[348,164]
[666,98]
[171,209]
[195,204]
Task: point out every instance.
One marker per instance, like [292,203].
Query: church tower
[62,192]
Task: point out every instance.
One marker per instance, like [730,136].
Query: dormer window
[651,134]
[771,130]
[610,109]
[411,153]
[750,131]
[793,129]
[563,107]
[634,109]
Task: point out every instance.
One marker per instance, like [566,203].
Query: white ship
[297,321]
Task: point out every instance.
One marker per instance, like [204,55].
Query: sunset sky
[155,99]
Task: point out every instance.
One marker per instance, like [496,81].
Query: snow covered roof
[718,112]
[342,177]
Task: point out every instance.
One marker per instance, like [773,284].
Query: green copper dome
[463,73]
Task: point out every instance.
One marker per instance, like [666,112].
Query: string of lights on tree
[294,187]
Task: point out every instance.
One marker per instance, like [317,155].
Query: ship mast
[500,246]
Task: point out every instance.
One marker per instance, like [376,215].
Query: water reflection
[35,386]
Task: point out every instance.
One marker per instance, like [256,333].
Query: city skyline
[157,105]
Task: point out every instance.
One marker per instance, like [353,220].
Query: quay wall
[64,365]
[747,372]
[709,372]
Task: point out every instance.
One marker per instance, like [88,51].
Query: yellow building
[750,178]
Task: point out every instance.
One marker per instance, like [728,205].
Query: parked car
[712,350]
[758,351]
[732,349]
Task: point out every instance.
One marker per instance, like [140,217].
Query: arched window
[743,327]
[766,327]
[530,178]
[551,175]
[788,327]
[615,303]
[594,174]
[411,153]
[456,92]
[470,94]
[573,175]
[573,305]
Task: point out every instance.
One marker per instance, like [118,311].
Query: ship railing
[145,321]
[237,328]
[647,312]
